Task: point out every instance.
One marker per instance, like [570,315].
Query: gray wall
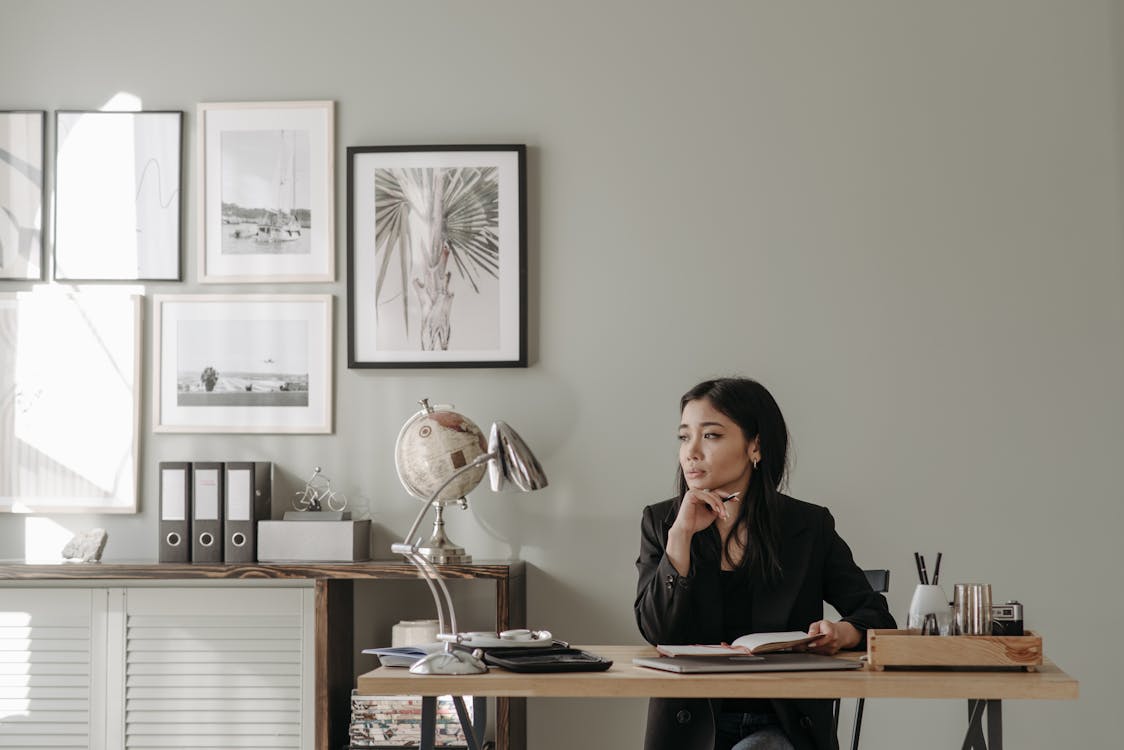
[903,217]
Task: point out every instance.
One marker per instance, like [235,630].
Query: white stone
[86,546]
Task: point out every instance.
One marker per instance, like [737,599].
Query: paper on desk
[403,656]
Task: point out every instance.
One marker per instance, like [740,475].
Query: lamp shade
[512,461]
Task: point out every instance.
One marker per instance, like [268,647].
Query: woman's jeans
[737,731]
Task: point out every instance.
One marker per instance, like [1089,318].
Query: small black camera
[1007,619]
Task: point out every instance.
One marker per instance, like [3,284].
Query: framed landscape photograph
[265,190]
[117,195]
[243,363]
[21,194]
[437,256]
[69,401]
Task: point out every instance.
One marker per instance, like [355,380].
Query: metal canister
[971,609]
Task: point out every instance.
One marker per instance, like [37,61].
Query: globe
[432,445]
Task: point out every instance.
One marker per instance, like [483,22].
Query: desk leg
[995,725]
[429,722]
[466,723]
[974,739]
[511,612]
[334,680]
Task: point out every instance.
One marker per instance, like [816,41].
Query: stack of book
[395,721]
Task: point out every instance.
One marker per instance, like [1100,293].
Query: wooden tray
[908,648]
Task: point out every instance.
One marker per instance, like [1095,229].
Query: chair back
[879,580]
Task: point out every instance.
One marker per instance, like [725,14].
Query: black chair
[879,581]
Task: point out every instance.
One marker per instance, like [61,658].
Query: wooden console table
[334,627]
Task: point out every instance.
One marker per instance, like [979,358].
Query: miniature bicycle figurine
[318,493]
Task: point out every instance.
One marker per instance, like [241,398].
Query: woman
[731,555]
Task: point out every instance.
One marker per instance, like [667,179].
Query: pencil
[917,561]
[937,569]
[924,573]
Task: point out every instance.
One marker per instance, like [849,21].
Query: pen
[924,573]
[937,569]
[730,497]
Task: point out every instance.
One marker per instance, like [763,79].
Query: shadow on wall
[563,597]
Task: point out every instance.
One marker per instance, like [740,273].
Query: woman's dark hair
[755,411]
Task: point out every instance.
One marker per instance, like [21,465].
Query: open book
[754,643]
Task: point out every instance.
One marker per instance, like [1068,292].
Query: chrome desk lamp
[508,459]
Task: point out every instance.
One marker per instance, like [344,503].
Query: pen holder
[929,611]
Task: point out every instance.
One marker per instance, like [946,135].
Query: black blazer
[817,566]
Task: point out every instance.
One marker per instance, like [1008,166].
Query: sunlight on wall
[70,441]
[96,166]
[122,101]
[44,540]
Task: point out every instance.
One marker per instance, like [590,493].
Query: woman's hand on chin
[699,509]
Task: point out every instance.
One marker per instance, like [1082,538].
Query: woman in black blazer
[730,556]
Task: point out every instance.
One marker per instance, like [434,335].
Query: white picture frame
[117,195]
[69,401]
[266,192]
[245,363]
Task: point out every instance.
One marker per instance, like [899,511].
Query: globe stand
[439,549]
[508,460]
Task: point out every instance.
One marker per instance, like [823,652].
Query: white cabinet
[51,645]
[161,666]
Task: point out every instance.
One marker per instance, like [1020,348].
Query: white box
[314,541]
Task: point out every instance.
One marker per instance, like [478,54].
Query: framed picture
[21,194]
[437,256]
[243,363]
[69,401]
[117,195]
[266,184]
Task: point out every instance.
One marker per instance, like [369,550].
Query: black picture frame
[118,195]
[23,156]
[428,296]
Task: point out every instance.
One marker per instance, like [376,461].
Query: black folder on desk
[747,663]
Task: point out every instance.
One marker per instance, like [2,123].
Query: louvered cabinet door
[51,656]
[218,668]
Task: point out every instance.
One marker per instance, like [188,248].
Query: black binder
[175,512]
[206,512]
[248,499]
[550,659]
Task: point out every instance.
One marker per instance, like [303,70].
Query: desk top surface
[626,680]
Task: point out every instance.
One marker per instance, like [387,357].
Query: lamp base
[445,555]
[450,661]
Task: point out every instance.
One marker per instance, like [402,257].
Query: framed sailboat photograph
[437,256]
[266,184]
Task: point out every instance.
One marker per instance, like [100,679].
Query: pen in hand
[730,497]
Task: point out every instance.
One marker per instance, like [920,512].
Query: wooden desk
[334,597]
[626,680]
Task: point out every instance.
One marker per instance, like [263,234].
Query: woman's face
[713,451]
